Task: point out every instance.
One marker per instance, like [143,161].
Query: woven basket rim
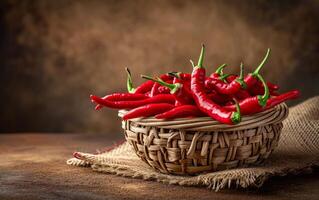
[270,116]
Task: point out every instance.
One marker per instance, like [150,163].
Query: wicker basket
[193,146]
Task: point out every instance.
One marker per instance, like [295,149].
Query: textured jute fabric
[297,152]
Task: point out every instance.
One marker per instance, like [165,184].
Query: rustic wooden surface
[32,166]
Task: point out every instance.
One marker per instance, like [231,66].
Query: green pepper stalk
[240,79]
[201,57]
[173,87]
[224,77]
[251,79]
[129,82]
[257,70]
[236,117]
[263,99]
[219,70]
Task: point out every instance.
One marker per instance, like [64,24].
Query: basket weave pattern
[193,149]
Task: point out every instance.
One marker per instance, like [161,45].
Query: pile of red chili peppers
[223,97]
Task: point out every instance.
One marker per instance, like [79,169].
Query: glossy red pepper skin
[181,112]
[154,90]
[163,90]
[204,103]
[250,80]
[144,87]
[293,94]
[148,110]
[122,97]
[242,94]
[218,98]
[256,90]
[161,98]
[273,101]
[247,106]
[270,85]
[255,103]
[222,87]
[184,94]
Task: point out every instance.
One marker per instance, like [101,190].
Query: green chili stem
[220,69]
[192,62]
[224,76]
[241,77]
[263,99]
[172,87]
[129,82]
[201,57]
[174,74]
[262,63]
[236,116]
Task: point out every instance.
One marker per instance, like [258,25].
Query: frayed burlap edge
[217,182]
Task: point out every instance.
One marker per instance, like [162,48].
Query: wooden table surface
[33,166]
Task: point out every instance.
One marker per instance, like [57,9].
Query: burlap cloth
[298,152]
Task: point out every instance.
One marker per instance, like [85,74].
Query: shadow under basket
[191,146]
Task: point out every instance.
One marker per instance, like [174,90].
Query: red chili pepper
[218,98]
[281,98]
[154,90]
[203,102]
[242,94]
[223,98]
[255,103]
[122,97]
[273,101]
[181,90]
[181,111]
[163,90]
[144,87]
[260,90]
[272,87]
[148,110]
[161,98]
[226,88]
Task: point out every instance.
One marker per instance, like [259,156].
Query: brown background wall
[55,53]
